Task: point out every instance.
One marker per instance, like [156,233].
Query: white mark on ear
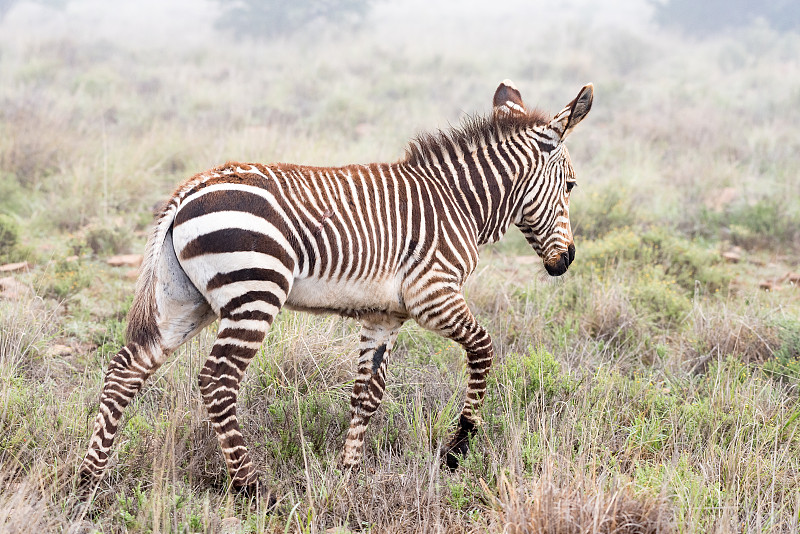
[510,84]
[512,105]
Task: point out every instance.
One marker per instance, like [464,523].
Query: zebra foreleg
[455,321]
[377,340]
[126,374]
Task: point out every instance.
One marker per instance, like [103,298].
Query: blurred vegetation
[268,19]
[713,16]
[9,239]
[6,5]
[657,380]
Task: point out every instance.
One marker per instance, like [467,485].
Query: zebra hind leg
[239,338]
[126,374]
[377,340]
[165,314]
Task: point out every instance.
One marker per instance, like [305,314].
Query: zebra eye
[570,185]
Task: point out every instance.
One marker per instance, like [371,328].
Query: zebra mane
[475,131]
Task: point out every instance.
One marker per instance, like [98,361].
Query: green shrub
[9,239]
[104,239]
[677,259]
[600,213]
[786,362]
[664,305]
[533,376]
[65,278]
[13,198]
[763,224]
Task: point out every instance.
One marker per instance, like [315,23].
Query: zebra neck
[484,185]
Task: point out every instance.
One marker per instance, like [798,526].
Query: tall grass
[653,388]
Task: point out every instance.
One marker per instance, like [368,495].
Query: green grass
[653,388]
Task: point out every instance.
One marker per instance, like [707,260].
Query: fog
[185,24]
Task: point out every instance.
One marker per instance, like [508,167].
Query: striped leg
[453,320]
[240,336]
[126,374]
[377,340]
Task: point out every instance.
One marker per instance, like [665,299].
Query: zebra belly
[346,297]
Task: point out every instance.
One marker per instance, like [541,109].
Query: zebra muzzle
[562,262]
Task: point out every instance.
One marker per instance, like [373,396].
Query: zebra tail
[143,316]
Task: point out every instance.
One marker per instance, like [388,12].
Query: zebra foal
[381,243]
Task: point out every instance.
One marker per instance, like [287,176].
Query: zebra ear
[569,117]
[508,100]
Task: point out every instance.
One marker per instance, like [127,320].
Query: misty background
[657,380]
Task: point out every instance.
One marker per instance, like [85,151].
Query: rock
[526,260]
[793,278]
[14,267]
[132,274]
[731,256]
[768,285]
[11,288]
[59,350]
[721,198]
[230,525]
[82,527]
[125,260]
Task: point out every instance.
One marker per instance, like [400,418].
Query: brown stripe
[245,275]
[235,240]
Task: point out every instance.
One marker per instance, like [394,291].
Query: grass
[653,388]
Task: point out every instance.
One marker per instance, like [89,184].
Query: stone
[230,525]
[768,285]
[526,260]
[59,350]
[722,198]
[14,267]
[125,260]
[731,257]
[11,288]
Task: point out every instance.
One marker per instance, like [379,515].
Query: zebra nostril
[565,259]
[571,251]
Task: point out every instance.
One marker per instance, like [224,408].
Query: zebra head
[543,215]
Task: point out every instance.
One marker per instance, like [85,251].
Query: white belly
[334,296]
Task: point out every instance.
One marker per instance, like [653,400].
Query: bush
[259,19]
[669,256]
[604,211]
[9,237]
[66,278]
[102,239]
[11,250]
[766,223]
[786,361]
[711,16]
[663,303]
[532,376]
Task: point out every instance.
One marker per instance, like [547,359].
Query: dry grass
[574,506]
[651,389]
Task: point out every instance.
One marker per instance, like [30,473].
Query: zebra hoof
[452,455]
[87,482]
[459,445]
[258,493]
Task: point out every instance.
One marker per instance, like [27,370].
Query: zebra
[381,243]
